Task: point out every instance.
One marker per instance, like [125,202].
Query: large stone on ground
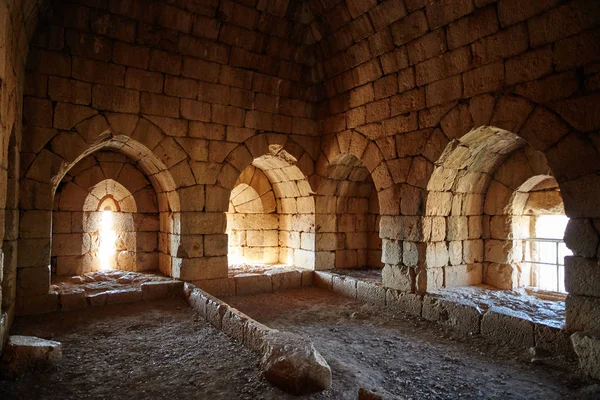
[26,353]
[292,363]
[588,350]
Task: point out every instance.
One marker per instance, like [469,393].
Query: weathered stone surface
[291,363]
[501,323]
[587,348]
[409,303]
[26,353]
[370,293]
[159,289]
[463,317]
[72,300]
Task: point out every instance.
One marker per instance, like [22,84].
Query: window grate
[542,259]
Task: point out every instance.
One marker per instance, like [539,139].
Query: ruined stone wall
[77,216]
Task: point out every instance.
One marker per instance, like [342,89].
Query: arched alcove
[348,216]
[271,217]
[524,245]
[102,224]
[252,221]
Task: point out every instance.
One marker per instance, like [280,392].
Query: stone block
[27,353]
[217,287]
[307,277]
[234,324]
[215,310]
[344,286]
[196,298]
[72,300]
[323,280]
[509,326]
[399,277]
[247,284]
[123,296]
[463,275]
[254,335]
[37,304]
[587,348]
[370,293]
[285,280]
[464,317]
[96,299]
[408,303]
[553,339]
[583,314]
[161,289]
[33,280]
[582,276]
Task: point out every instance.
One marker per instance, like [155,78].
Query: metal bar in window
[557,269]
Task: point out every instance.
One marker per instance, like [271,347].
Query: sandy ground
[408,358]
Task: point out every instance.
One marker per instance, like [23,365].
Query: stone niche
[348,217]
[105,217]
[271,215]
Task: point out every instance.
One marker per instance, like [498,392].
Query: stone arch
[289,168]
[37,190]
[353,179]
[253,221]
[568,146]
[517,122]
[365,150]
[80,223]
[244,154]
[511,220]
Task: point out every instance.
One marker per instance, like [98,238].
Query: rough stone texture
[291,363]
[378,108]
[289,360]
[509,326]
[463,317]
[588,349]
[25,353]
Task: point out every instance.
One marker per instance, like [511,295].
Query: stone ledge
[251,283]
[289,361]
[465,317]
[77,299]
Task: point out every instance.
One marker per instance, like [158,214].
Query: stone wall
[405,80]
[18,22]
[252,221]
[195,92]
[77,217]
[348,216]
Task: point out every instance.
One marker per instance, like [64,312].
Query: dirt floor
[408,358]
[155,350]
[162,350]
